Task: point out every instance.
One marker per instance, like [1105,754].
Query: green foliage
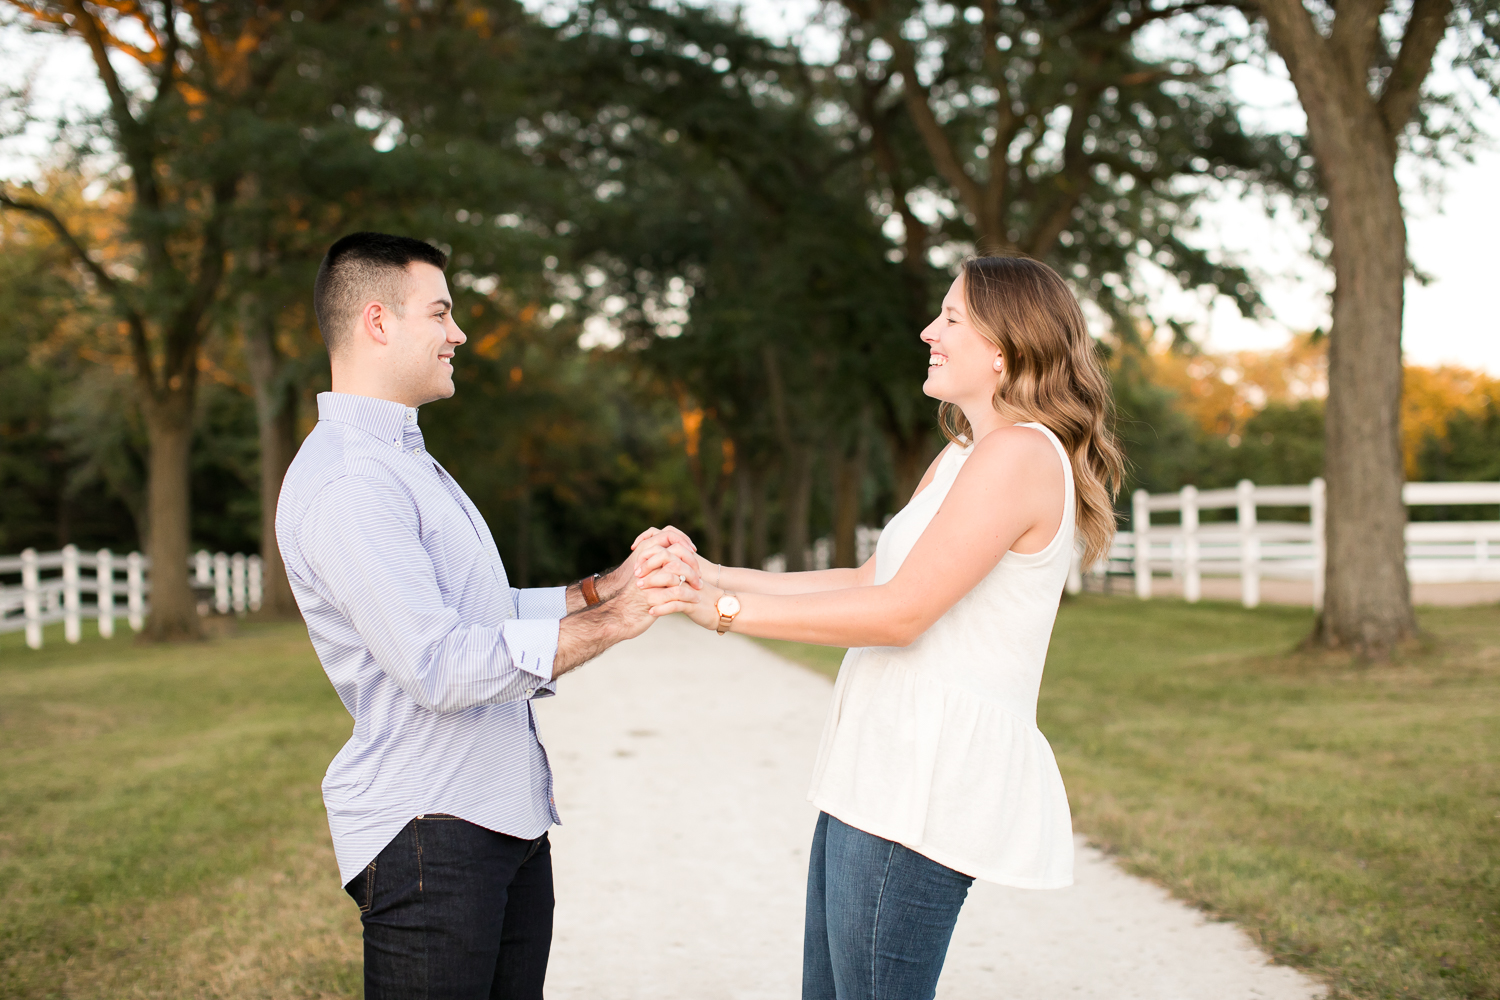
[1469,449]
[1081,148]
[47,496]
[568,454]
[1162,444]
[725,207]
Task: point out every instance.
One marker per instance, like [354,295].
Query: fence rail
[53,587]
[1253,550]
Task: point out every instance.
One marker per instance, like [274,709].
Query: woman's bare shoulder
[1006,451]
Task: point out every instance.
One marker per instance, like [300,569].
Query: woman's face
[961,361]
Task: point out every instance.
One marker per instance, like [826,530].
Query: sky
[1452,238]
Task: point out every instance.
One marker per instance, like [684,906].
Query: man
[440,802]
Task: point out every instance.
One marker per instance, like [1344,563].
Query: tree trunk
[1367,603]
[711,486]
[743,488]
[848,484]
[1352,134]
[276,419]
[797,493]
[169,424]
[909,459]
[760,520]
[713,527]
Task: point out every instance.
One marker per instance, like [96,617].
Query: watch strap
[724,620]
[589,590]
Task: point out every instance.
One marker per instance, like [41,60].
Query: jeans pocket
[361,888]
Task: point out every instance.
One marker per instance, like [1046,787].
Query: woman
[931,771]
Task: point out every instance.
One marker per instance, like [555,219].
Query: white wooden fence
[53,587]
[1252,549]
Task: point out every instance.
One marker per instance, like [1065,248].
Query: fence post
[106,598]
[31,597]
[1140,528]
[238,591]
[135,591]
[257,591]
[221,583]
[1319,539]
[203,577]
[1192,580]
[1249,545]
[71,627]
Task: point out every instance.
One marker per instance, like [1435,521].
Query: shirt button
[411,416]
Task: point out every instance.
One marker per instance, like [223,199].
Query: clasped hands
[660,556]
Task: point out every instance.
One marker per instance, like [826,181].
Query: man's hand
[623,614]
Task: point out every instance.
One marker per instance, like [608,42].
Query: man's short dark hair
[362,268]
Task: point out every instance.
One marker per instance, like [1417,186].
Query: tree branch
[169,58]
[1007,122]
[1067,183]
[1301,46]
[127,311]
[1355,36]
[1146,17]
[93,34]
[1425,29]
[933,136]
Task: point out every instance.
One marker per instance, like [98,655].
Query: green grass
[163,832]
[1347,816]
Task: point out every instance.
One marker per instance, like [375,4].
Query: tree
[174,126]
[1038,126]
[704,170]
[1361,70]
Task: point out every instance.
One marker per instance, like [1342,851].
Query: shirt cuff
[532,643]
[542,602]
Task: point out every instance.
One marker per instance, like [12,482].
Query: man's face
[422,338]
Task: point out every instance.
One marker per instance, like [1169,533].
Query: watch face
[728,606]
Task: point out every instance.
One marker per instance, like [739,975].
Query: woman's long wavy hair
[1053,376]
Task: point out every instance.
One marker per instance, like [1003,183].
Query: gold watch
[727,606]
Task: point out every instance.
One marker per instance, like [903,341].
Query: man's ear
[372,322]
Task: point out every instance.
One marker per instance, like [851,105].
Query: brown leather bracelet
[589,591]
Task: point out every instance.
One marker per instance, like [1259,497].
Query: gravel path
[682,761]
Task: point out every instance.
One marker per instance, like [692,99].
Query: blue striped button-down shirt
[432,651]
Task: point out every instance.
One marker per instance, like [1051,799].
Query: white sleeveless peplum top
[935,745]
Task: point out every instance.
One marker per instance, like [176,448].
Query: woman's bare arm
[742,580]
[1009,494]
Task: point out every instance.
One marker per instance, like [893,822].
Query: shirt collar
[383,418]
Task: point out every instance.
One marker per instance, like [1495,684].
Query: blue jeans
[879,917]
[453,911]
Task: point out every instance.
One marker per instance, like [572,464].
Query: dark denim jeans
[453,911]
[879,917]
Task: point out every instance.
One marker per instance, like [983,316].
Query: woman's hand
[656,548]
[667,593]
